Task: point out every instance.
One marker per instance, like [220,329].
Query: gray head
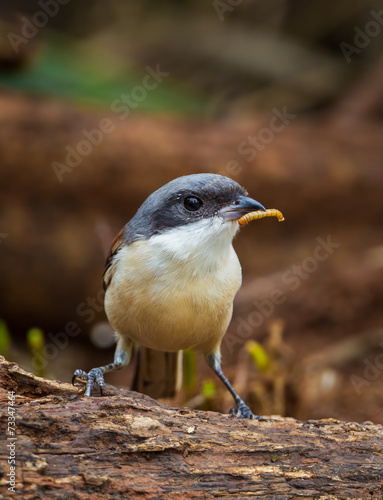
[193,216]
[186,200]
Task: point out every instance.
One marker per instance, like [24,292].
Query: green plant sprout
[208,389]
[5,339]
[258,354]
[190,369]
[36,341]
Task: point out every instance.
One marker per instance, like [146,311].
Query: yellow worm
[259,214]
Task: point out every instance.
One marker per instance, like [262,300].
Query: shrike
[170,280]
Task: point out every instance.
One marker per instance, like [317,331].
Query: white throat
[204,245]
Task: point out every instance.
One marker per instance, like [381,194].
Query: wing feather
[114,249]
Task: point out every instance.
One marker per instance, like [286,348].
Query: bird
[170,280]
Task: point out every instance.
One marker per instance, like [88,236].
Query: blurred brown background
[103,102]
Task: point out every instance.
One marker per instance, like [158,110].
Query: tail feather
[158,374]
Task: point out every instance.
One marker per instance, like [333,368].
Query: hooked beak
[242,206]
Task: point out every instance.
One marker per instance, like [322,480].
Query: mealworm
[259,214]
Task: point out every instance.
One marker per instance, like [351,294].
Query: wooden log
[126,445]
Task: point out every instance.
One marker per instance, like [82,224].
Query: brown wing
[116,245]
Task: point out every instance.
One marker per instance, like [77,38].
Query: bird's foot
[95,375]
[243,411]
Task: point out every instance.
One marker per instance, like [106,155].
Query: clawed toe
[94,376]
[243,411]
[79,374]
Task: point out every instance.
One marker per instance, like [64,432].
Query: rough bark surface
[126,445]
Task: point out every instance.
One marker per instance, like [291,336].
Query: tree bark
[127,445]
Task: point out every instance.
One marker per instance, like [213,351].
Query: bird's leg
[122,357]
[214,361]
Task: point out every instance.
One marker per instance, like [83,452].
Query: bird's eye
[192,203]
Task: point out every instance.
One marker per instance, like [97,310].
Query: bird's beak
[243,205]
